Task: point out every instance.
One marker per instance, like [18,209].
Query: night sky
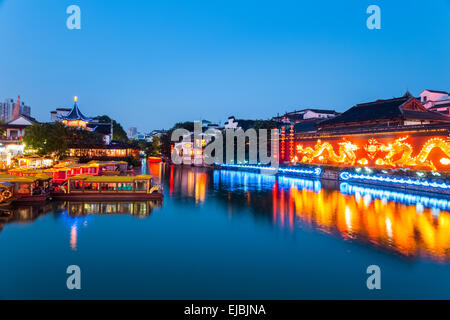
[150,64]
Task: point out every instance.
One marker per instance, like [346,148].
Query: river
[231,235]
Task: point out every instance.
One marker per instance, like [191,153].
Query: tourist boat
[34,161]
[86,187]
[64,170]
[14,189]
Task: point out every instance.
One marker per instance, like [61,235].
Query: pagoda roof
[75,114]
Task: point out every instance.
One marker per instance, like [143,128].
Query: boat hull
[107,196]
[30,199]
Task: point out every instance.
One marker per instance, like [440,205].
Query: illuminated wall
[395,151]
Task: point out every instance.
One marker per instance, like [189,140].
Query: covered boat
[87,187]
[24,189]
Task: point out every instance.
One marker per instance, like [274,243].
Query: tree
[83,138]
[2,129]
[152,148]
[166,139]
[119,133]
[47,138]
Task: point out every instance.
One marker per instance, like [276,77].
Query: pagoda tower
[75,118]
[16,110]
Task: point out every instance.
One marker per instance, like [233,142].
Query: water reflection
[399,222]
[23,214]
[189,183]
[75,214]
[139,209]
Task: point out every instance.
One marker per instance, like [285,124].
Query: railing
[5,138]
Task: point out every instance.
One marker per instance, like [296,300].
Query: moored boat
[87,187]
[15,189]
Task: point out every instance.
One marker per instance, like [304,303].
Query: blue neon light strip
[344,175]
[395,196]
[314,171]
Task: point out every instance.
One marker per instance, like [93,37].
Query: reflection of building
[391,219]
[142,209]
[191,183]
[23,213]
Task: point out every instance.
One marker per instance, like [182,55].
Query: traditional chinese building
[308,115]
[108,150]
[75,118]
[391,133]
[435,100]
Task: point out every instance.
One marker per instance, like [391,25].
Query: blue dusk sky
[150,64]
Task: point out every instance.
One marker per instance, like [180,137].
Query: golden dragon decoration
[399,154]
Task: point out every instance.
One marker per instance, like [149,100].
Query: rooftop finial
[75,98]
[407,93]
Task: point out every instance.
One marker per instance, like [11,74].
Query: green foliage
[47,138]
[2,130]
[264,124]
[166,139]
[119,133]
[56,138]
[82,138]
[152,148]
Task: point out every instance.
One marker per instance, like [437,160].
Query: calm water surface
[228,234]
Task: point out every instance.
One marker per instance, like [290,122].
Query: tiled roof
[378,110]
[103,128]
[382,110]
[322,111]
[437,91]
[75,114]
[305,126]
[442,105]
[429,115]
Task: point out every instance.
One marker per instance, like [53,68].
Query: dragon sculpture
[400,147]
[398,154]
[346,152]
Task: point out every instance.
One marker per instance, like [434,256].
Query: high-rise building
[132,132]
[6,109]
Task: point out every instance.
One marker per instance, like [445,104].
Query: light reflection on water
[397,221]
[236,235]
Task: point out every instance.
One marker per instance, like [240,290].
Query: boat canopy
[110,179]
[13,179]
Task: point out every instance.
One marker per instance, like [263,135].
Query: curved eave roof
[75,114]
